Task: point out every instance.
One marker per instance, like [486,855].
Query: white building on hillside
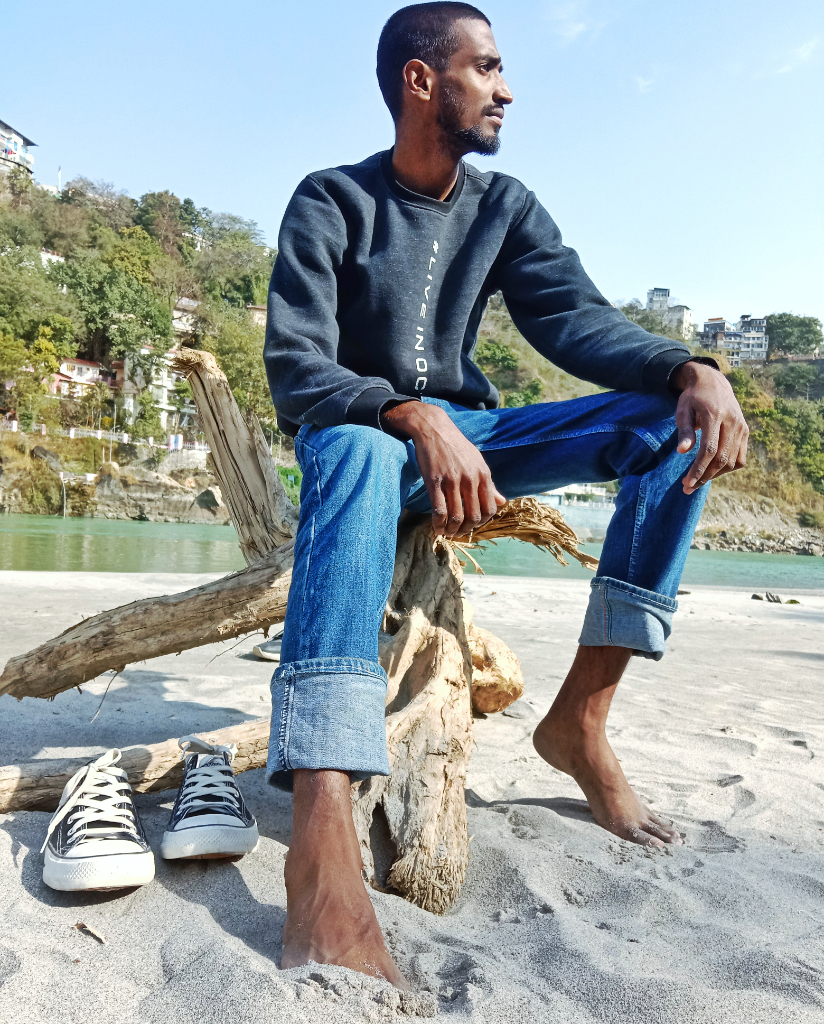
[658,299]
[681,319]
[76,376]
[14,150]
[746,341]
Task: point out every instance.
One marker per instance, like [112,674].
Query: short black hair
[420,32]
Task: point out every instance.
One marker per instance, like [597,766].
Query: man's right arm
[457,478]
[300,354]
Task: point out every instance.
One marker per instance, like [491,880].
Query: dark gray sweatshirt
[377,294]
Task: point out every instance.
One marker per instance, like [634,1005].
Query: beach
[558,921]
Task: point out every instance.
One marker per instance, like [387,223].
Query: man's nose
[502,93]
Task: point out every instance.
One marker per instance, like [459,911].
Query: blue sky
[677,145]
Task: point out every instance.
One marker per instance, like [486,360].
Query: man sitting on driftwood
[383,273]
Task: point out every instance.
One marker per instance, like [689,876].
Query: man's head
[438,63]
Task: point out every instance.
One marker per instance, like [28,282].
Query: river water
[117,545]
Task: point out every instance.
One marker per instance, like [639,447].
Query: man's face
[472,93]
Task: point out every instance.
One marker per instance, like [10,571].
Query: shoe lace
[99,798]
[208,786]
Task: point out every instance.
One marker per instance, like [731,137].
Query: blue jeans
[328,693]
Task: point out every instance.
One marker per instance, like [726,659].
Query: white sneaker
[209,818]
[269,650]
[95,839]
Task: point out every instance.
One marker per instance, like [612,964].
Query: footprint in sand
[712,837]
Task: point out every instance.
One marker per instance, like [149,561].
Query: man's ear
[418,81]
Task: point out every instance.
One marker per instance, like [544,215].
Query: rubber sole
[115,871]
[265,656]
[209,842]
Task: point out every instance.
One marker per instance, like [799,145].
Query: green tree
[30,373]
[234,268]
[159,214]
[95,401]
[793,335]
[30,295]
[527,395]
[107,204]
[180,398]
[795,379]
[147,418]
[651,320]
[123,315]
[237,343]
[495,354]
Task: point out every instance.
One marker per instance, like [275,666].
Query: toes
[643,838]
[666,833]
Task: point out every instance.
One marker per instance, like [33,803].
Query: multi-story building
[658,299]
[76,375]
[746,341]
[14,150]
[754,337]
[681,318]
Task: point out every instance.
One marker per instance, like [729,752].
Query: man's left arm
[562,314]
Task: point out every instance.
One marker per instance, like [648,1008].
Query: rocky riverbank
[181,488]
[738,522]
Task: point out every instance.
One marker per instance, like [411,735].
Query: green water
[104,545]
[115,545]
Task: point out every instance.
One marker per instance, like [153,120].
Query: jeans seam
[643,436]
[285,715]
[640,513]
[311,549]
[661,601]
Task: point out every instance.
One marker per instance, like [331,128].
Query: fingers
[455,507]
[707,451]
[685,425]
[725,451]
[490,499]
[440,511]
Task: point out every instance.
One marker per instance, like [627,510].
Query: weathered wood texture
[241,603]
[37,785]
[262,513]
[412,824]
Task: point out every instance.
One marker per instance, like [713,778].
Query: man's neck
[423,166]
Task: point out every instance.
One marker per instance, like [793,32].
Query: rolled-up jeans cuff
[621,615]
[328,713]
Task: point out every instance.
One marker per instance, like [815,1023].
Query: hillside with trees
[126,263]
[106,286]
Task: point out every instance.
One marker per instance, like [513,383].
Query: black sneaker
[209,818]
[95,839]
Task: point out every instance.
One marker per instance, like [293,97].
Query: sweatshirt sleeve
[562,314]
[300,352]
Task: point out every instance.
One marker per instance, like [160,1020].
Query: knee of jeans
[371,448]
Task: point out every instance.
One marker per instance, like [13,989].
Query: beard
[462,140]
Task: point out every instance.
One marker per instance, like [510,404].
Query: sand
[557,922]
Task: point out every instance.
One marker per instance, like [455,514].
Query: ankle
[575,718]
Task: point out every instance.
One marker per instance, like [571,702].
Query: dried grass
[534,522]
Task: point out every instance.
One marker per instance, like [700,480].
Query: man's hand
[457,478]
[707,403]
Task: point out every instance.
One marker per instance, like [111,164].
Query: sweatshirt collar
[414,198]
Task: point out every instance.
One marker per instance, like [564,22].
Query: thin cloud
[799,56]
[572,19]
[644,84]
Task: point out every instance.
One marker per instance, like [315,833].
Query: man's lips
[497,116]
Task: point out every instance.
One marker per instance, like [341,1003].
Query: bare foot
[585,754]
[329,916]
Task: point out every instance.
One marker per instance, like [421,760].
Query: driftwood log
[411,825]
